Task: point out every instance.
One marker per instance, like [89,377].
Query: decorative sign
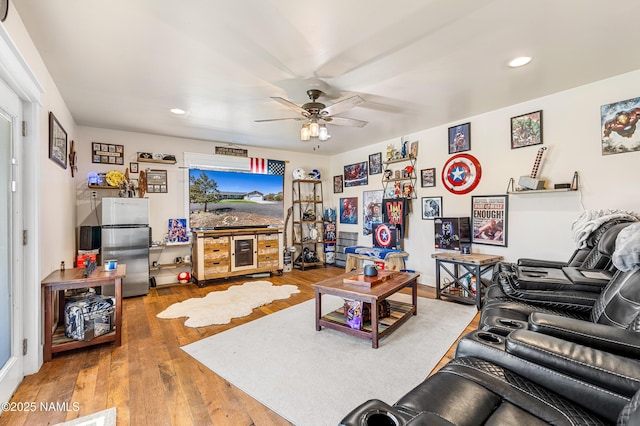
[156,181]
[235,152]
[106,153]
[461,174]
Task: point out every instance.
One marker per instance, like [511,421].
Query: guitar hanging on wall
[532,181]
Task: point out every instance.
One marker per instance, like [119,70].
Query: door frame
[18,76]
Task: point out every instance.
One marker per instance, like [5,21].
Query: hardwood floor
[149,378]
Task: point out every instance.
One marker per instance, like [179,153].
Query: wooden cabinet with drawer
[215,253]
[269,251]
[215,257]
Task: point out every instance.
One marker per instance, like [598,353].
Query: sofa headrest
[608,241]
[627,253]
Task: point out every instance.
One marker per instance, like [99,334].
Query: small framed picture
[133,167]
[356,174]
[57,142]
[349,210]
[337,184]
[375,163]
[431,207]
[157,181]
[460,138]
[428,178]
[526,130]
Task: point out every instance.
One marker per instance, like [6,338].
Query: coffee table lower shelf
[400,312]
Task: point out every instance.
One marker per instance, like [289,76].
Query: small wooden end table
[464,266]
[400,312]
[55,340]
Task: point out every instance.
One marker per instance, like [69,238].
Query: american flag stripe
[258,165]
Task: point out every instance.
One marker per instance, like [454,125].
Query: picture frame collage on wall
[107,153]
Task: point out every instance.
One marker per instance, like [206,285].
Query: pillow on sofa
[627,253]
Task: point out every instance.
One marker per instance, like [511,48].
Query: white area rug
[219,307]
[314,378]
[101,418]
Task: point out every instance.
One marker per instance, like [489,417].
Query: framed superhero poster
[489,219]
[619,132]
[386,236]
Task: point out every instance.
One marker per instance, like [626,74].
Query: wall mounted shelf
[150,160]
[574,187]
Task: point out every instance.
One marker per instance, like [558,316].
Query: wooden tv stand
[232,252]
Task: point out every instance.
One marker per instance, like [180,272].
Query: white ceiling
[122,64]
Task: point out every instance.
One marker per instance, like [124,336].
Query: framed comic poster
[526,130]
[349,210]
[371,210]
[356,174]
[431,207]
[618,131]
[337,184]
[489,219]
[375,163]
[460,138]
[428,178]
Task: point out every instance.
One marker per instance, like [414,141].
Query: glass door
[11,358]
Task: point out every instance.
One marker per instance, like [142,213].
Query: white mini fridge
[125,238]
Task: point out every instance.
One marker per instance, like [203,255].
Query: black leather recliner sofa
[549,369]
[525,378]
[618,304]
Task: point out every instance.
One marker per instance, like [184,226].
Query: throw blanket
[627,253]
[378,253]
[590,220]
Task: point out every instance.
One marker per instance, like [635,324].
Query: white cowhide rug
[218,307]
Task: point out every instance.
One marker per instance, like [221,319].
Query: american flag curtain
[266,166]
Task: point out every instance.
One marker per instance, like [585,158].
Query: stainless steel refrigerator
[125,238]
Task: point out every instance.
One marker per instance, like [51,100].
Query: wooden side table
[55,340]
[465,266]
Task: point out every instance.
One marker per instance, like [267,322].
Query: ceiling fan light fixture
[314,128]
[305,132]
[323,133]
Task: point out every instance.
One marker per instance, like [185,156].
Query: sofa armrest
[587,376]
[540,263]
[376,412]
[592,366]
[596,278]
[605,337]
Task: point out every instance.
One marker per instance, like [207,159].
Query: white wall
[539,224]
[171,204]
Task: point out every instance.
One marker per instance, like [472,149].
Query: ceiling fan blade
[343,105]
[344,121]
[280,119]
[290,105]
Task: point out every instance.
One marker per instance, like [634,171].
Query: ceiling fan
[317,114]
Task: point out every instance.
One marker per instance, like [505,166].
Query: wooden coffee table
[378,328]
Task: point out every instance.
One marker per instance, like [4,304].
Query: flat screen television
[452,233]
[234,199]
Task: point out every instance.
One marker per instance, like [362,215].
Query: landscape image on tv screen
[232,199]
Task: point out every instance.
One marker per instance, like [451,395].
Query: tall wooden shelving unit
[307,222]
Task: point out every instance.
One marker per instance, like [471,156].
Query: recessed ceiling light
[178,111]
[520,61]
